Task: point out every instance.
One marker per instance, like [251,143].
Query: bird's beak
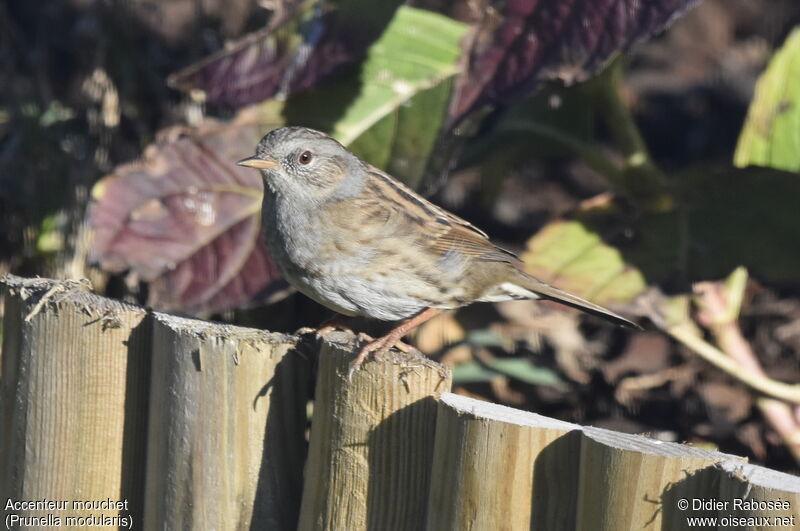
[258,162]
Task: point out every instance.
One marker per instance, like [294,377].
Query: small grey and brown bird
[359,242]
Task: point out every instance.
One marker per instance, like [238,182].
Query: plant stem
[590,154]
[763,384]
[642,180]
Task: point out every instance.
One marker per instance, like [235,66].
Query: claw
[380,346]
[377,348]
[363,353]
[324,330]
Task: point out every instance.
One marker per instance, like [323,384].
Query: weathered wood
[226,437]
[74,378]
[754,493]
[87,384]
[371,446]
[501,468]
[631,482]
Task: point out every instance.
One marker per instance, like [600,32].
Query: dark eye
[305,157]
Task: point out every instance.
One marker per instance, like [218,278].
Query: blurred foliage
[407,98]
[187,221]
[513,102]
[570,255]
[520,369]
[401,92]
[771,134]
[201,212]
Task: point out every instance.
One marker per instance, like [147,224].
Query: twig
[710,353]
[720,305]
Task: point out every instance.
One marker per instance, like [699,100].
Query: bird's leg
[337,322]
[363,337]
[383,344]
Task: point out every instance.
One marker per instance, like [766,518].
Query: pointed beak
[259,163]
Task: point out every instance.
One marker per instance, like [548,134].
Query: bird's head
[304,164]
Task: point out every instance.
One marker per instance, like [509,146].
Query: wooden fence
[119,416]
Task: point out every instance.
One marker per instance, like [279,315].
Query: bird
[361,243]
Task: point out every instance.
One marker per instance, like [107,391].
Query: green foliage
[518,368]
[51,234]
[771,134]
[390,105]
[726,217]
[743,217]
[723,218]
[574,257]
[389,109]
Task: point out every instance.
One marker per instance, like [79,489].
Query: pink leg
[382,345]
[337,322]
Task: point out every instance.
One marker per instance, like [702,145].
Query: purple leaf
[521,42]
[186,220]
[302,46]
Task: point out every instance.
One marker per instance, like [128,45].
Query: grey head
[306,165]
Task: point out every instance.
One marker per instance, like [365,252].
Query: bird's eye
[305,157]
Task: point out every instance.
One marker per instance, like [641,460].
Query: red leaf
[523,41]
[187,220]
[294,52]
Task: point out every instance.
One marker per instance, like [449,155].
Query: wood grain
[632,482]
[500,468]
[371,446]
[226,438]
[75,369]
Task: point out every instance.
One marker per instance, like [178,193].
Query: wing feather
[436,228]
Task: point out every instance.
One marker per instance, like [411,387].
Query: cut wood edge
[758,476]
[203,329]
[645,445]
[519,467]
[755,491]
[490,411]
[619,472]
[348,344]
[35,293]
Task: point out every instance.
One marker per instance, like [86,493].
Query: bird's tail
[546,291]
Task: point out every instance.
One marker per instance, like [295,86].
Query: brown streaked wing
[414,204]
[439,229]
[470,244]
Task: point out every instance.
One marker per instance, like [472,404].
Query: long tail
[546,291]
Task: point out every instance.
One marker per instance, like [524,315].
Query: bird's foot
[336,322]
[377,348]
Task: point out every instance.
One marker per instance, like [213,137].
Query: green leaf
[51,234]
[519,368]
[743,217]
[725,218]
[771,134]
[548,124]
[472,371]
[573,257]
[389,109]
[544,125]
[524,370]
[401,142]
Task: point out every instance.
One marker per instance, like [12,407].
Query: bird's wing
[434,227]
